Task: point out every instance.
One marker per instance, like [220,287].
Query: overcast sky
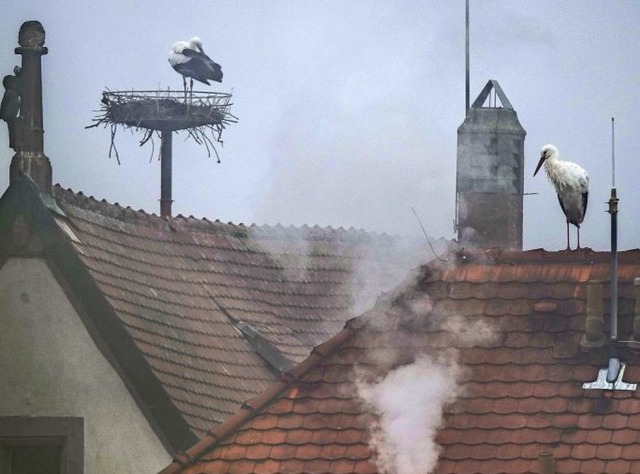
[348,110]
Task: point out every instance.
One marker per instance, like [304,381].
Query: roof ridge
[500,256]
[265,231]
[252,406]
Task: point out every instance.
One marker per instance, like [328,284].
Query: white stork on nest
[571,183]
[190,60]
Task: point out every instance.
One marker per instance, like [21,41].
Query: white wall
[49,366]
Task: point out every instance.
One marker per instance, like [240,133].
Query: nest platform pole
[166,137]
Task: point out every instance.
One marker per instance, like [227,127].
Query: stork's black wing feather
[199,67]
[191,53]
[561,205]
[585,200]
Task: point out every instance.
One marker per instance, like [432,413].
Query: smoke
[290,249]
[385,265]
[412,375]
[409,402]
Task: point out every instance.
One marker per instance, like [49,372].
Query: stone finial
[31,34]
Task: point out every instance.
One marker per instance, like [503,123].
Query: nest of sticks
[203,115]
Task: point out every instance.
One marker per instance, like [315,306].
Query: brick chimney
[30,159]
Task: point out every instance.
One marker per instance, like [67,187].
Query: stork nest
[203,115]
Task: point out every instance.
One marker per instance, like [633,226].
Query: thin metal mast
[467,85]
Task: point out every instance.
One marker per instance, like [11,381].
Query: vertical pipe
[614,362]
[547,463]
[634,343]
[166,138]
[613,210]
[467,86]
[593,336]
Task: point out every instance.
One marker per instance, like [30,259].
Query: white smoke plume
[408,403]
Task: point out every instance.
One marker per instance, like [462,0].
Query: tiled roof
[506,327]
[218,310]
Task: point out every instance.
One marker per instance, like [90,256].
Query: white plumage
[571,183]
[190,60]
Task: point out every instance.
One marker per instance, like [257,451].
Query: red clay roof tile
[267,466]
[584,451]
[364,467]
[316,465]
[300,437]
[613,452]
[625,437]
[347,466]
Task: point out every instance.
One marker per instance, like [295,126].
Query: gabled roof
[506,326]
[198,316]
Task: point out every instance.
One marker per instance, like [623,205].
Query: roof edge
[253,406]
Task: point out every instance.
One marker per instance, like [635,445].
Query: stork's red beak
[539,165]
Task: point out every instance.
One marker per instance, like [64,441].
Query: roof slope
[218,310]
[509,326]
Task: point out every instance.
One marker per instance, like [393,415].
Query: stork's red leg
[578,238]
[568,246]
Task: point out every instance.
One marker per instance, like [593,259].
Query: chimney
[593,336]
[30,159]
[490,173]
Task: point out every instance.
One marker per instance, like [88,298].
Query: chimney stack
[30,159]
[490,173]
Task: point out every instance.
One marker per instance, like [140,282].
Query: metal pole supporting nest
[166,137]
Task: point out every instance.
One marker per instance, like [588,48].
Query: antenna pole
[614,362]
[467,88]
[613,153]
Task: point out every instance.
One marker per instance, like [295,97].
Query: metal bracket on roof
[608,380]
[264,348]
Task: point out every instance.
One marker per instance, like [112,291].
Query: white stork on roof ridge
[190,60]
[571,183]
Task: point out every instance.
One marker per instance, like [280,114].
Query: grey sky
[348,110]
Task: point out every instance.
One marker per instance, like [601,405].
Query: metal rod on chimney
[467,85]
[166,138]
